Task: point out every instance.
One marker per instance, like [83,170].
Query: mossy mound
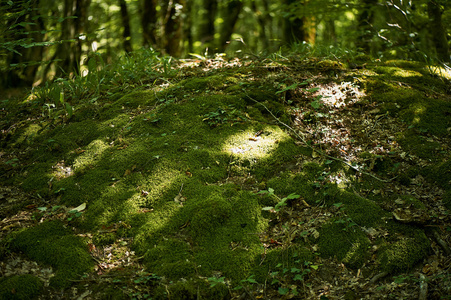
[177,168]
[403,254]
[53,244]
[345,242]
[20,287]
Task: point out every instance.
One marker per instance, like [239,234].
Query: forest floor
[275,178]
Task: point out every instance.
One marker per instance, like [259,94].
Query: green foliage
[281,202]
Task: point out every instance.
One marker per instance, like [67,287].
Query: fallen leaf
[80,207]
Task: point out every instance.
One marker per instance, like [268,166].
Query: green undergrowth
[179,165]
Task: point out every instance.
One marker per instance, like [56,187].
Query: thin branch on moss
[316,150]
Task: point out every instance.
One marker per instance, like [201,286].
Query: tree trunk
[365,24]
[298,28]
[28,61]
[69,50]
[230,18]
[187,25]
[438,31]
[149,23]
[126,34]
[207,22]
[173,27]
[261,20]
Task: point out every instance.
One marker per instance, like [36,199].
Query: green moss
[171,258]
[20,287]
[278,259]
[403,254]
[409,200]
[102,239]
[191,289]
[348,244]
[439,173]
[447,199]
[364,212]
[53,244]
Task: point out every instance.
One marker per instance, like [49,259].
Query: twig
[423,288]
[377,277]
[316,150]
[441,242]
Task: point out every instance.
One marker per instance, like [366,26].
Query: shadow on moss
[53,244]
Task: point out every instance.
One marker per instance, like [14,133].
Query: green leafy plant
[216,280]
[246,283]
[282,202]
[287,277]
[316,103]
[224,115]
[14,162]
[345,220]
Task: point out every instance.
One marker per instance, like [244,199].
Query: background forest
[41,40]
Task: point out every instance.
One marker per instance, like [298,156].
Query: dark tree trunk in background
[187,25]
[69,51]
[298,28]
[330,35]
[365,24]
[173,27]
[231,15]
[126,34]
[438,31]
[207,22]
[31,57]
[149,23]
[261,20]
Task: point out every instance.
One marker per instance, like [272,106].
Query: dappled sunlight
[406,73]
[91,154]
[61,170]
[444,72]
[251,144]
[339,95]
[158,183]
[29,133]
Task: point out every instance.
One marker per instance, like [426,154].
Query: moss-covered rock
[347,243]
[403,254]
[20,287]
[53,244]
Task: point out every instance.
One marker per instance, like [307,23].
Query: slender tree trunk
[149,23]
[126,34]
[187,25]
[69,51]
[365,24]
[207,22]
[330,35]
[261,20]
[298,28]
[230,18]
[173,27]
[438,30]
[30,57]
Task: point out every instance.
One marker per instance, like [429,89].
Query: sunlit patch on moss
[91,154]
[252,144]
[28,134]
